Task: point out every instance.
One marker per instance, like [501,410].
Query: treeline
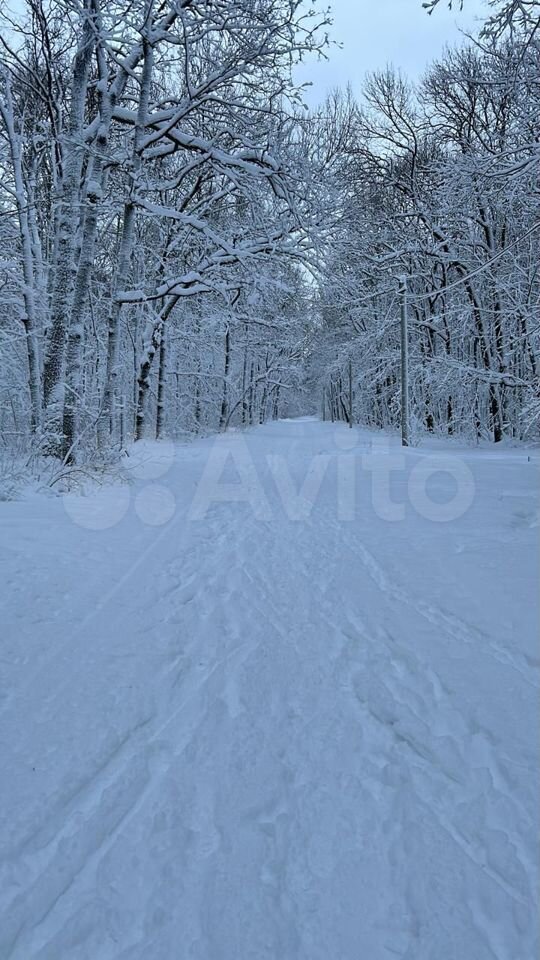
[154,217]
[184,247]
[438,184]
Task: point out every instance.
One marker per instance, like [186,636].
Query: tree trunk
[225,398]
[244,381]
[145,368]
[126,247]
[29,319]
[73,396]
[162,378]
[67,226]
[251,394]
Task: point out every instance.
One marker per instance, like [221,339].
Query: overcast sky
[376,32]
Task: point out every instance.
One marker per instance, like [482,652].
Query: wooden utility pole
[350,396]
[404,364]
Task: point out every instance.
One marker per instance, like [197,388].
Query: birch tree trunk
[29,317]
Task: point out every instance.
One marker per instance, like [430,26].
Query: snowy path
[235,738]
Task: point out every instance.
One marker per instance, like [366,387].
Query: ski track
[299,780]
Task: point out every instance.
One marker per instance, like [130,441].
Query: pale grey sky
[377,32]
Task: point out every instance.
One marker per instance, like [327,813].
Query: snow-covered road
[279,727]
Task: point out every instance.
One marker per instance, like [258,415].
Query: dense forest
[185,246]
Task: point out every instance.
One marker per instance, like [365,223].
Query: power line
[456,283]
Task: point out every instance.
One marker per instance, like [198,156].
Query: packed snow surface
[269,701]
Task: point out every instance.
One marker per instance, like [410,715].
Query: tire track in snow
[122,782]
[434,700]
[124,779]
[399,723]
[439,792]
[450,623]
[88,651]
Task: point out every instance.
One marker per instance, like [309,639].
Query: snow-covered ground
[240,724]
